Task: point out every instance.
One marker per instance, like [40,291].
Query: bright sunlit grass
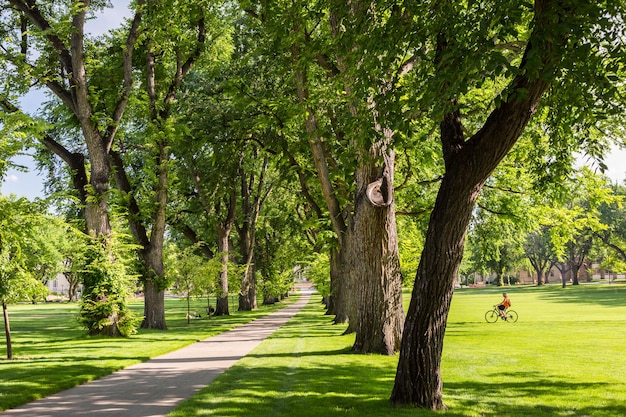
[564,357]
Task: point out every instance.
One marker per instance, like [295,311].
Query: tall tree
[49,48]
[464,46]
[254,193]
[539,251]
[577,221]
[46,46]
[142,159]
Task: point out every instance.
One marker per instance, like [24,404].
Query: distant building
[58,287]
[587,273]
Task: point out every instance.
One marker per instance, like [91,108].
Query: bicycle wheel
[491,316]
[511,316]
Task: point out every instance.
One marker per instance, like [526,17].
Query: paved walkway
[156,387]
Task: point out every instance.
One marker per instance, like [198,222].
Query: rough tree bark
[251,204]
[151,248]
[224,228]
[152,253]
[338,304]
[362,235]
[375,261]
[154,296]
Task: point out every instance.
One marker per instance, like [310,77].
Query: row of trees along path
[346,86]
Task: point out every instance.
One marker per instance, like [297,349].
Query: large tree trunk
[247,296]
[330,301]
[154,289]
[221,306]
[7,330]
[338,303]
[154,306]
[96,208]
[250,210]
[375,264]
[154,293]
[151,252]
[223,233]
[418,380]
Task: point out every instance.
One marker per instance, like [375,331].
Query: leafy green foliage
[613,216]
[587,192]
[17,133]
[44,257]
[21,224]
[191,274]
[411,244]
[106,285]
[318,272]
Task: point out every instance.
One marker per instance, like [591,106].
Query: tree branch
[192,236]
[123,184]
[183,69]
[30,10]
[127,68]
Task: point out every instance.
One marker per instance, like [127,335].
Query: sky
[30,184]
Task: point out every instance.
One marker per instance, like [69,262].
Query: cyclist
[506,303]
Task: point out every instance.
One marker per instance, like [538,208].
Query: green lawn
[564,357]
[52,353]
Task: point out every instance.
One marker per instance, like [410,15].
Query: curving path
[155,387]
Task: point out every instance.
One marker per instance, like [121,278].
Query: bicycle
[491,316]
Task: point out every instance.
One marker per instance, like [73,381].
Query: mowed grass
[564,357]
[51,352]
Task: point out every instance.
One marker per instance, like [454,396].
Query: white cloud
[12,178]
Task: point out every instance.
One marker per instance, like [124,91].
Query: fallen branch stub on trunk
[378,193]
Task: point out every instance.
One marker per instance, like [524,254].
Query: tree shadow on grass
[343,351]
[363,390]
[524,399]
[40,377]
